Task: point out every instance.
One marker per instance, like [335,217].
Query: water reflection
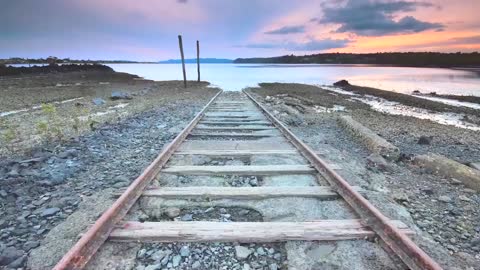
[234,77]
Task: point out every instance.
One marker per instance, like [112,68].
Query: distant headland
[407,59]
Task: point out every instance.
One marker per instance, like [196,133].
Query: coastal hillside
[419,59]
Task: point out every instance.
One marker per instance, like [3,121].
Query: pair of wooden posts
[180,44]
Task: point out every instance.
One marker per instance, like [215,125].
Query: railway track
[235,153]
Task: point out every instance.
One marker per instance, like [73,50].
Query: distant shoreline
[406,59]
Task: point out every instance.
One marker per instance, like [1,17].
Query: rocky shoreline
[443,209]
[471,99]
[44,186]
[412,100]
[18,71]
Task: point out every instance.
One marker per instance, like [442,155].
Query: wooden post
[180,44]
[198,60]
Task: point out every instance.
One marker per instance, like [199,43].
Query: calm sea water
[234,77]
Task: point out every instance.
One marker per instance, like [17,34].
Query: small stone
[464,198]
[153,267]
[30,245]
[68,153]
[141,253]
[425,140]
[13,173]
[427,190]
[475,242]
[165,260]
[3,193]
[400,197]
[475,165]
[158,255]
[242,252]
[455,181]
[9,255]
[98,101]
[3,223]
[469,190]
[185,251]
[260,251]
[50,211]
[273,266]
[342,83]
[187,217]
[445,199]
[176,260]
[377,161]
[196,265]
[18,262]
[116,95]
[172,212]
[200,160]
[246,266]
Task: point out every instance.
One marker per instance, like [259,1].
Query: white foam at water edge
[395,108]
[452,102]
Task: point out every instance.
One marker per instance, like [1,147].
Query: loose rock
[50,211]
[99,101]
[116,95]
[425,140]
[176,260]
[242,252]
[172,212]
[9,255]
[445,199]
[342,83]
[185,251]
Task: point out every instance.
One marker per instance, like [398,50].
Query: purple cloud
[287,30]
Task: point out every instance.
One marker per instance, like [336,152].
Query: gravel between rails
[308,255]
[52,194]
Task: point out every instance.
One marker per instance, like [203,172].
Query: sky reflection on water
[234,77]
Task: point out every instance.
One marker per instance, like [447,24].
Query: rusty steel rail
[394,240]
[79,255]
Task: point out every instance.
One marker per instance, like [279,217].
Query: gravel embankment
[40,190]
[405,132]
[58,106]
[443,212]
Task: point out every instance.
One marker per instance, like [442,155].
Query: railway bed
[237,181]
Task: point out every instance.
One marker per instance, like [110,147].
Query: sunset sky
[148,29]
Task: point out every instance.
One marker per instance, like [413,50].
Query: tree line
[415,59]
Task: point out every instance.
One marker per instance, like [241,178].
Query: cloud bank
[310,45]
[287,30]
[375,18]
